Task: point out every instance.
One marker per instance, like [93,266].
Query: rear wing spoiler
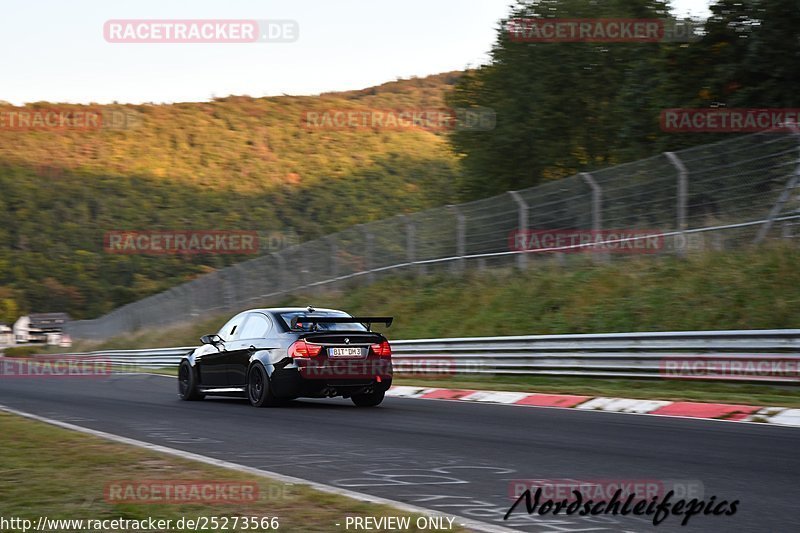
[366,320]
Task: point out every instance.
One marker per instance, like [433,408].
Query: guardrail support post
[461,237]
[683,193]
[522,226]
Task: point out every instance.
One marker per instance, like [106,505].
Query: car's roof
[280,310]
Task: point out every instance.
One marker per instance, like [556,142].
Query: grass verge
[53,472]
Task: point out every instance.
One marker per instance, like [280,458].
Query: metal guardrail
[123,360]
[612,355]
[608,355]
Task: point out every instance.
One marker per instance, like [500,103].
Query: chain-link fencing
[718,196]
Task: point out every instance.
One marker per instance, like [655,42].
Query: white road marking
[274,476]
[789,417]
[495,396]
[623,405]
[402,391]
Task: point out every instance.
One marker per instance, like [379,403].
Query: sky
[55,51]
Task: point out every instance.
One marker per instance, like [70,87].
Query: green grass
[53,472]
[24,351]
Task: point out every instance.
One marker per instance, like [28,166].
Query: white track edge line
[573,409]
[322,487]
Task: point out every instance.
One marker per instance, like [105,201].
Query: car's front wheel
[187,384]
[370,399]
[259,391]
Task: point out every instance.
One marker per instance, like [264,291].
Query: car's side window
[257,326]
[232,329]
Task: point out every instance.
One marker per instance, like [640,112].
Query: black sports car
[271,355]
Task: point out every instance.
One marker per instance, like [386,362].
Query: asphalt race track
[452,457]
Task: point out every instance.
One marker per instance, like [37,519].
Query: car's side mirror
[213,339]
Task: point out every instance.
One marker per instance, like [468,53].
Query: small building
[44,328]
[22,330]
[6,335]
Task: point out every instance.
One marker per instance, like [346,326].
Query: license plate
[344,352]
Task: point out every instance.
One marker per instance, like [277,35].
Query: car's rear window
[287,319]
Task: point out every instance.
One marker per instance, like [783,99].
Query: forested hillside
[234,163]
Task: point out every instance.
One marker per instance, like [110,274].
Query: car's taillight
[382,350]
[304,349]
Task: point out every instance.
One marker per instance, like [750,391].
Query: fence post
[334,251]
[281,273]
[225,287]
[522,226]
[597,207]
[597,201]
[791,185]
[306,260]
[683,192]
[369,239]
[411,240]
[461,237]
[235,285]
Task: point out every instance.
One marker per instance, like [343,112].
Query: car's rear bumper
[326,381]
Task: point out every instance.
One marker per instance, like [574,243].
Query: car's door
[212,363]
[255,335]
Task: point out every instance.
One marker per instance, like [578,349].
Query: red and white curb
[715,411]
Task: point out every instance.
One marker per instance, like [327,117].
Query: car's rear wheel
[187,384]
[259,391]
[370,399]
